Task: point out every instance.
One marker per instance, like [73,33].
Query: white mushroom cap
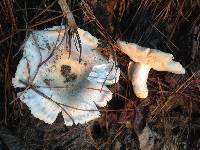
[156,59]
[105,73]
[62,79]
[146,59]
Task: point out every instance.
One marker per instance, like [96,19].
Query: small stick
[73,29]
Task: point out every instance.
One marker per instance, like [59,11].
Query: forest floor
[168,119]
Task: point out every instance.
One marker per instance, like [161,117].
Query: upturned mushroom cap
[62,79]
[155,59]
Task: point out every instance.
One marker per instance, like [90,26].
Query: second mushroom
[145,59]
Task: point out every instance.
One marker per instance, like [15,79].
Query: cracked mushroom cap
[61,83]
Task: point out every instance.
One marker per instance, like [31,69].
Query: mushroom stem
[138,74]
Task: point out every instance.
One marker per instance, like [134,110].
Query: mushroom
[145,59]
[56,81]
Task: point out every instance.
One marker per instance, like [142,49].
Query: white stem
[138,74]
